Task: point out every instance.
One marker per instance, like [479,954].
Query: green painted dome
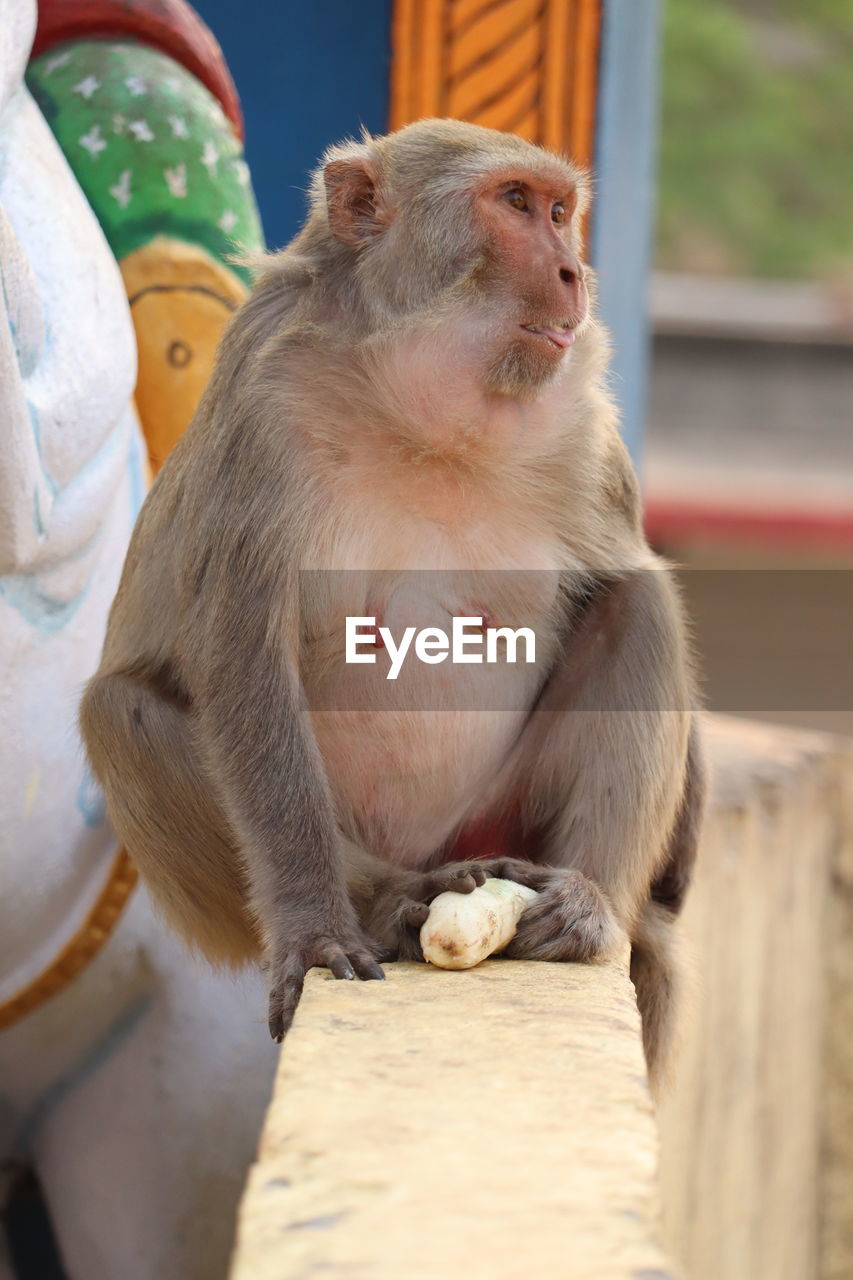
[150,146]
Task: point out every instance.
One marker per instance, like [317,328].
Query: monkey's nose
[570,272]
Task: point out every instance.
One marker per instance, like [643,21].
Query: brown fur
[388,401]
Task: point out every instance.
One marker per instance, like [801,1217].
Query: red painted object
[674,521]
[168,25]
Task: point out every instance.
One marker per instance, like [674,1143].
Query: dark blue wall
[308,74]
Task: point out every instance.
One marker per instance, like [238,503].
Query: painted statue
[133,1083]
[158,154]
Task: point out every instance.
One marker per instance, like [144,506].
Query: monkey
[414,392]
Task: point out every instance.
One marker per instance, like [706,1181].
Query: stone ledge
[496,1124]
[493,1124]
[757,1135]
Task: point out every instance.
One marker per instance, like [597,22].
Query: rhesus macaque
[416,383]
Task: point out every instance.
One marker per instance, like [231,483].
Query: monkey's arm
[257,740]
[609,776]
[602,761]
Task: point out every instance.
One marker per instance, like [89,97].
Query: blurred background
[720,134]
[748,448]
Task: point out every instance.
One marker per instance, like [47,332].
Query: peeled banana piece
[463,928]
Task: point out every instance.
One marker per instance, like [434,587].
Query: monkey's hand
[570,920]
[400,903]
[346,952]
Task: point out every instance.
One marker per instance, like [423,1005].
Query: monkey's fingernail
[373,971]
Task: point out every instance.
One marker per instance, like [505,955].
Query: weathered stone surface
[836,1217]
[493,1124]
[757,1136]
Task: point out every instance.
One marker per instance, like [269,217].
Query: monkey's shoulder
[619,488]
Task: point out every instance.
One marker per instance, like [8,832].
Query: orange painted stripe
[463,13]
[485,85]
[526,127]
[81,950]
[497,27]
[402,62]
[417,41]
[585,86]
[516,111]
[555,74]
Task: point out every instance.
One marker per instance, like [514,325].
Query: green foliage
[756,165]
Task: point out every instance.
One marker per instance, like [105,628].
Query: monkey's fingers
[353,962]
[339,964]
[456,877]
[286,990]
[284,996]
[522,872]
[570,920]
[412,913]
[400,925]
[366,967]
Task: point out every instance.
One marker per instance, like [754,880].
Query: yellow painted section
[180,299]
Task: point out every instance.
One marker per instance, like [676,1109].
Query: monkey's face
[534,275]
[471,232]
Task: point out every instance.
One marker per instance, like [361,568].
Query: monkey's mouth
[561,337]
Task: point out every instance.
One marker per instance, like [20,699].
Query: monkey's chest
[419,685]
[404,781]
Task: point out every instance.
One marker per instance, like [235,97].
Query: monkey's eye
[558,212]
[517,199]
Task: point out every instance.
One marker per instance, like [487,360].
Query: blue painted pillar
[308,74]
[625,164]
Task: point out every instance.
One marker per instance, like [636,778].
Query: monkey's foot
[570,920]
[349,957]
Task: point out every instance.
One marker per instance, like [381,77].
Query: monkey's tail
[659,975]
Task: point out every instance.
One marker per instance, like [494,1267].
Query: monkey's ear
[356,212]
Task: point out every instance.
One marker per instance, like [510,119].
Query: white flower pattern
[141,130]
[210,157]
[176,180]
[87,86]
[59,60]
[92,141]
[183,134]
[121,191]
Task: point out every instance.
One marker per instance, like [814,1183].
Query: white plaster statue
[137,1092]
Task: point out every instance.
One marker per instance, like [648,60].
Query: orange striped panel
[527,66]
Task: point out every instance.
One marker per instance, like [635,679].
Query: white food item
[463,928]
